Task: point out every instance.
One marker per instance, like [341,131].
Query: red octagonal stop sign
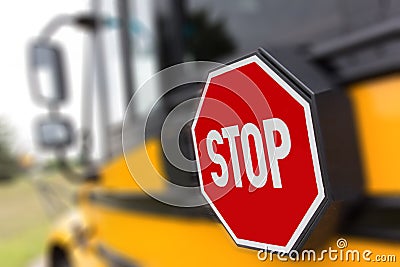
[257,156]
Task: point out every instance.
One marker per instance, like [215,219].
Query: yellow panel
[152,240]
[146,165]
[377,110]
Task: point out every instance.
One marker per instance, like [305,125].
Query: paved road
[39,262]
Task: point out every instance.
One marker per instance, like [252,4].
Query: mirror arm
[55,24]
[85,21]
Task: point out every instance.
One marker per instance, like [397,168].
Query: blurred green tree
[9,166]
[207,39]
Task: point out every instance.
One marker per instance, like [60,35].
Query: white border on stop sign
[313,147]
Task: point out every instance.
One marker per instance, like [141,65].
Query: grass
[25,220]
[21,249]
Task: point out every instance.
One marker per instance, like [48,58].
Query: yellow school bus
[119,220]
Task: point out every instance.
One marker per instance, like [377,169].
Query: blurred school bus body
[117,224]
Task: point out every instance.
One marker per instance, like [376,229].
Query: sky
[21,21]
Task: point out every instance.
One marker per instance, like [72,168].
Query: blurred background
[26,213]
[130,48]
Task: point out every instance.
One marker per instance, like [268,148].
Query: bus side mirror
[54,133]
[46,73]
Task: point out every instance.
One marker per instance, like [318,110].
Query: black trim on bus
[113,258]
[140,202]
[375,69]
[325,53]
[376,217]
[356,40]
